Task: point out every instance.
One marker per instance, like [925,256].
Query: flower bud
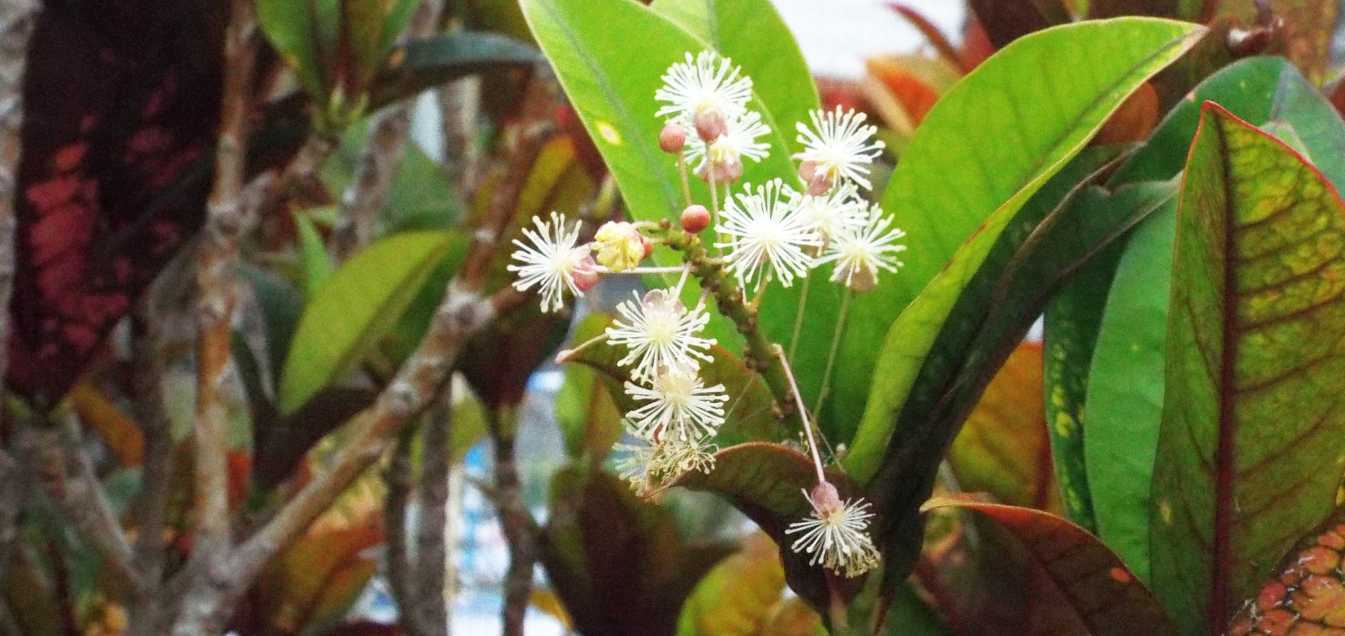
[825,498]
[710,124]
[818,181]
[724,171]
[695,218]
[672,138]
[619,245]
[586,275]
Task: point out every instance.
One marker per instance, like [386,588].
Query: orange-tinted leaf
[1003,447]
[738,596]
[316,580]
[1100,590]
[932,34]
[1306,595]
[1134,121]
[120,432]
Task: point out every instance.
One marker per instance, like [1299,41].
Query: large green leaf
[754,36]
[1125,392]
[1122,422]
[588,44]
[1248,459]
[426,63]
[974,162]
[737,597]
[357,305]
[289,26]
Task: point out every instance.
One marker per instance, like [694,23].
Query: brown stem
[430,606]
[16,26]
[516,525]
[382,155]
[151,503]
[397,477]
[216,260]
[53,457]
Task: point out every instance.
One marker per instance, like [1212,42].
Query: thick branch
[216,262]
[429,609]
[398,479]
[16,26]
[517,526]
[53,456]
[152,501]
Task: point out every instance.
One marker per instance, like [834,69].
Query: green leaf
[355,308]
[426,63]
[1248,459]
[736,597]
[371,28]
[1125,391]
[281,306]
[289,25]
[754,36]
[1123,420]
[973,163]
[313,254]
[1097,587]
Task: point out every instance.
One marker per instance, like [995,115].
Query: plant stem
[397,478]
[835,347]
[798,316]
[760,354]
[515,522]
[16,28]
[807,425]
[686,184]
[430,608]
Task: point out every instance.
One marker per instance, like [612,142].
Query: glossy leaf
[1125,391]
[1247,460]
[737,596]
[426,63]
[1003,448]
[617,562]
[1120,432]
[357,305]
[754,36]
[313,256]
[1102,593]
[990,182]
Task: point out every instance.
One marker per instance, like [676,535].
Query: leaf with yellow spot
[1249,450]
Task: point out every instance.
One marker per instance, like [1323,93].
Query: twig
[516,527]
[459,110]
[53,456]
[430,608]
[367,194]
[397,478]
[217,258]
[17,18]
[149,509]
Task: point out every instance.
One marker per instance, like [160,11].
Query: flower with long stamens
[551,260]
[660,333]
[859,252]
[648,466]
[704,83]
[839,145]
[738,142]
[678,406]
[836,535]
[767,234]
[838,210]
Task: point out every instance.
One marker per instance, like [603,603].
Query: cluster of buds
[768,232]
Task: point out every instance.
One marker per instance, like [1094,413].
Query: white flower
[836,536]
[859,252]
[707,82]
[829,214]
[840,145]
[551,260]
[738,142]
[660,333]
[650,466]
[680,406]
[767,233]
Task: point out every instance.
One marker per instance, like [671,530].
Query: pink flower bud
[586,275]
[672,138]
[724,171]
[695,218]
[818,182]
[825,498]
[710,124]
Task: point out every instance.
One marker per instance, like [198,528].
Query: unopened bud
[825,498]
[620,246]
[586,275]
[695,218]
[648,246]
[723,171]
[818,181]
[672,138]
[710,124]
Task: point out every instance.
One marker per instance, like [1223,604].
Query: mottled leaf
[1104,595]
[1307,593]
[1247,460]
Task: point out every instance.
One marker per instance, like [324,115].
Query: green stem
[760,354]
[835,346]
[798,317]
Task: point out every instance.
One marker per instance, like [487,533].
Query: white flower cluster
[767,232]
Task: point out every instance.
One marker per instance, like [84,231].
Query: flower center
[661,324]
[676,388]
